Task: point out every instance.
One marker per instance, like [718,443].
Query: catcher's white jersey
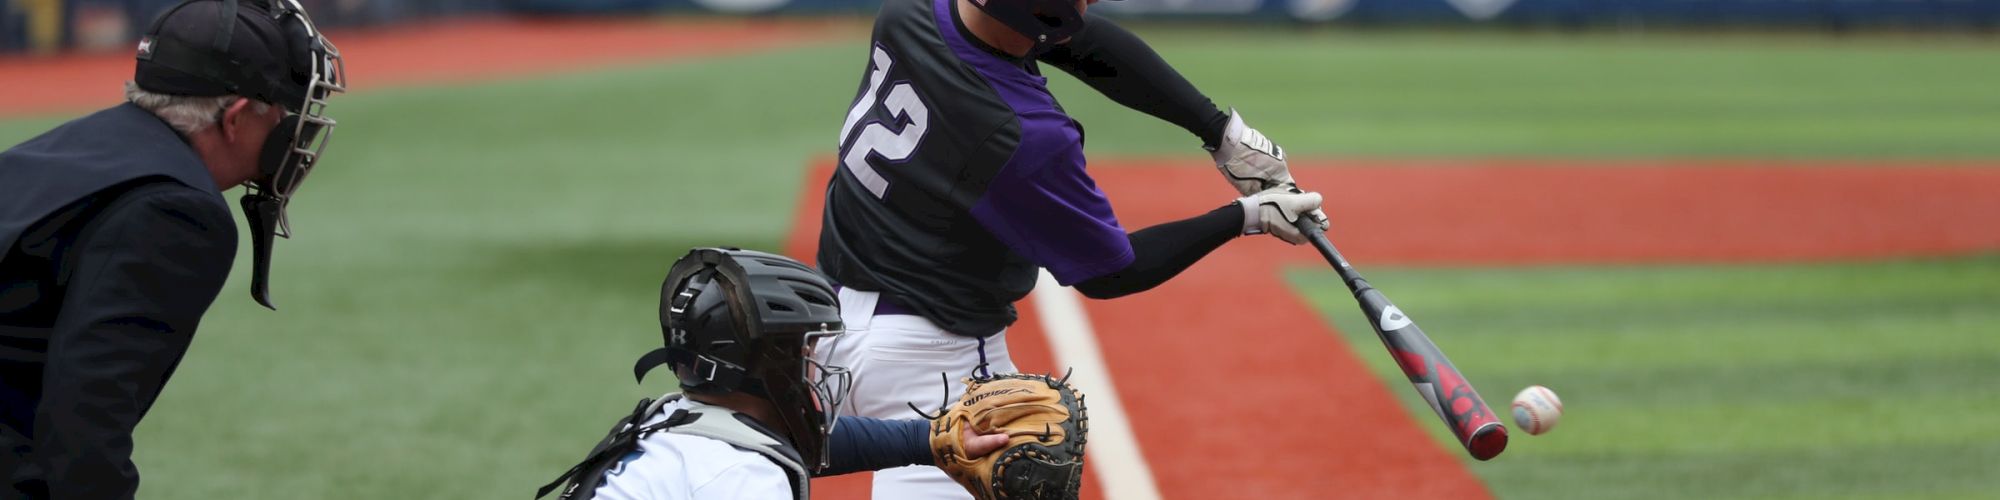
[672,466]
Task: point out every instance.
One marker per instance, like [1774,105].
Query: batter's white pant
[899,360]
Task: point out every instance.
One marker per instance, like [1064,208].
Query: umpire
[115,237]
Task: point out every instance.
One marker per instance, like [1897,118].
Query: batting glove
[1250,161]
[1277,211]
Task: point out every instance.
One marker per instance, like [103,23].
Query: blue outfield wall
[48,25]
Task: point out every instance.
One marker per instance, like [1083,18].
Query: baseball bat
[1440,384]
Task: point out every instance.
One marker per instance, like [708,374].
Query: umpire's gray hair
[186,114]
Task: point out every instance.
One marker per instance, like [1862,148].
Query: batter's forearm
[1121,66]
[1161,252]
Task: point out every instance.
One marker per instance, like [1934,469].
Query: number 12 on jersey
[875,137]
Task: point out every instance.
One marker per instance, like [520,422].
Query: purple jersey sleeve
[1044,206]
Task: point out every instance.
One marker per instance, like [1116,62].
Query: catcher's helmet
[267,50]
[747,321]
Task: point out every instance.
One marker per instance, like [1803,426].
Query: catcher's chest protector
[713,422]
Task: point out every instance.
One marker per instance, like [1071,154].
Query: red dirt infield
[1295,414]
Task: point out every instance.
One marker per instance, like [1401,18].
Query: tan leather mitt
[1043,416]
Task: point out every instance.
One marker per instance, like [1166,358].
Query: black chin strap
[262,213]
[650,361]
[707,373]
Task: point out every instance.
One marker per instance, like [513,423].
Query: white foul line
[1113,453]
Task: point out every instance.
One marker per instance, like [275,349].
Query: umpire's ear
[240,120]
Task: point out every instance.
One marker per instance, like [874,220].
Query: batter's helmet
[1047,22]
[747,321]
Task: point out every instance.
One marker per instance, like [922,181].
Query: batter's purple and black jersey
[959,176]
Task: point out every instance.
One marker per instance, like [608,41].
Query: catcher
[757,416]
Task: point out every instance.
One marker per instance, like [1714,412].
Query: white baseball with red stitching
[1537,409]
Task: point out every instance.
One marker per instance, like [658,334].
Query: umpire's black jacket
[113,241]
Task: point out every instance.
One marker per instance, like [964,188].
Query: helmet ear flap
[702,321]
[676,292]
[684,284]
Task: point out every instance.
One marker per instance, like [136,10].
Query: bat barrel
[1487,441]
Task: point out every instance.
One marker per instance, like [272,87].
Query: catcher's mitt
[1044,418]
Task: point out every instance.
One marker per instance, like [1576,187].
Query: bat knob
[1487,441]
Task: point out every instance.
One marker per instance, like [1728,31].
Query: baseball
[1536,410]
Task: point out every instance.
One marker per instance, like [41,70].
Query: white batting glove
[1250,161]
[1277,211]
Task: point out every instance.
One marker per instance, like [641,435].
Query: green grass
[1324,93]
[1871,380]
[477,266]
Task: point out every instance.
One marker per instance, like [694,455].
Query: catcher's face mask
[829,382]
[293,148]
[810,402]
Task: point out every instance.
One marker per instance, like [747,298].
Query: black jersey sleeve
[1121,66]
[1161,252]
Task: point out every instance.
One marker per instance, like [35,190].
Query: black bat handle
[1318,238]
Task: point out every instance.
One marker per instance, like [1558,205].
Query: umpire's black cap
[225,47]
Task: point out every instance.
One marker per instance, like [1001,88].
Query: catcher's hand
[1044,419]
